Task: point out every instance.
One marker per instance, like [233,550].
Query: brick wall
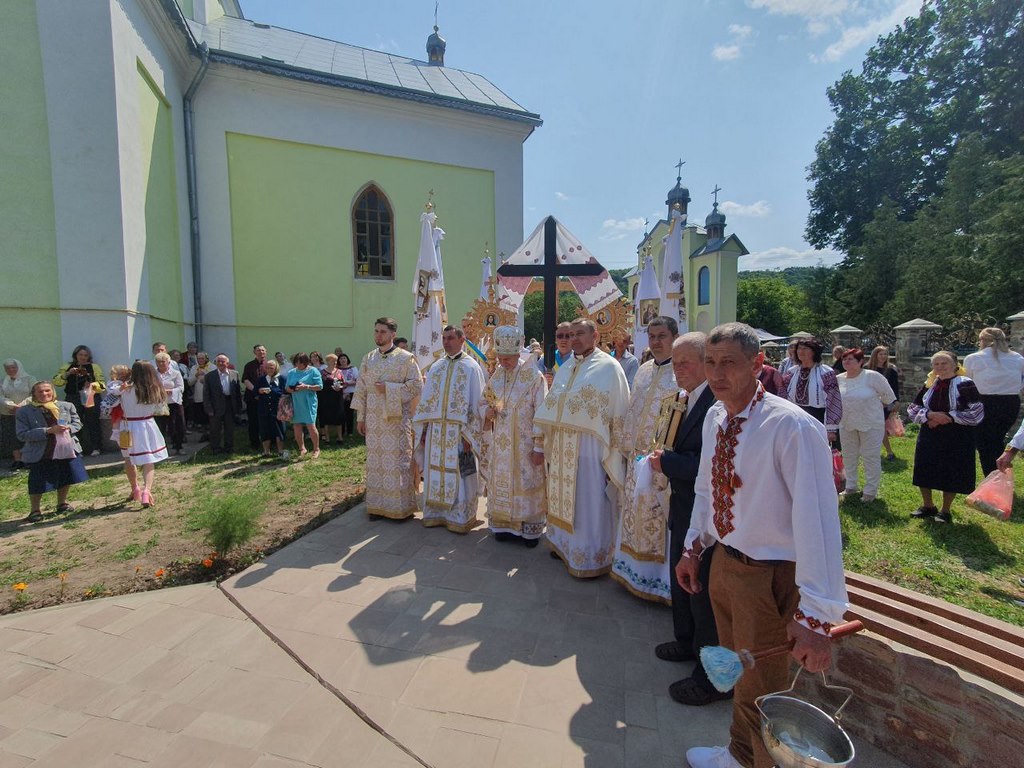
[925,712]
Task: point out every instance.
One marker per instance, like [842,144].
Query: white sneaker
[711,757]
[285,454]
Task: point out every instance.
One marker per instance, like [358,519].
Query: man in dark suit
[222,401]
[250,379]
[692,617]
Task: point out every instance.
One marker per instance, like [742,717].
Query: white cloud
[561,196]
[818,27]
[805,9]
[740,31]
[782,257]
[854,37]
[726,52]
[618,229]
[757,210]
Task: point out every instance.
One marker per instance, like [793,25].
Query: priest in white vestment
[447,428]
[641,562]
[516,496]
[389,382]
[581,421]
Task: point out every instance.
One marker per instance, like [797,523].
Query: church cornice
[280,69]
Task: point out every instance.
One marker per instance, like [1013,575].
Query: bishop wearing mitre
[641,549]
[580,421]
[447,436]
[516,499]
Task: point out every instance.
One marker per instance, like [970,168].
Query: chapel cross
[679,168]
[550,270]
[715,192]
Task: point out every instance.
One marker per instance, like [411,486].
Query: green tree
[772,304]
[954,70]
[533,312]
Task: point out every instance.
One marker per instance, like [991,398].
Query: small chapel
[710,262]
[177,171]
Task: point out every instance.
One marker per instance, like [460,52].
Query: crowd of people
[701,478]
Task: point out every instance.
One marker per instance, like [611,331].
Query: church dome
[715,219]
[435,48]
[678,194]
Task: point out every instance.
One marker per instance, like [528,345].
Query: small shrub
[230,520]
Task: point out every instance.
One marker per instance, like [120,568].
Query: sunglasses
[563,335]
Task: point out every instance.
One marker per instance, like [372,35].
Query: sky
[735,88]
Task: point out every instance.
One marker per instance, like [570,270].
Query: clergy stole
[445,408]
[512,444]
[588,397]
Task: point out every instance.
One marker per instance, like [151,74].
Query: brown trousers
[753,603]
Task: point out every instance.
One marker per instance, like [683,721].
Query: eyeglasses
[563,335]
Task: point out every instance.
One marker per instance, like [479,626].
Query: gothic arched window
[373,239]
[704,286]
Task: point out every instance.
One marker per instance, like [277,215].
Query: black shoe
[943,517]
[923,511]
[694,694]
[674,651]
[505,536]
[554,555]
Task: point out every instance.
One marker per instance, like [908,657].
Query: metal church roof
[294,54]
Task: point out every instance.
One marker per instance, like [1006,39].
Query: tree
[772,304]
[954,70]
[533,312]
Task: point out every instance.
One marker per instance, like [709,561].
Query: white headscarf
[19,374]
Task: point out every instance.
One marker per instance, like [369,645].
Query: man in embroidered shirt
[765,496]
[581,421]
[447,429]
[641,555]
[389,381]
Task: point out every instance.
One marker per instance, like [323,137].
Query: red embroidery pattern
[724,480]
[812,622]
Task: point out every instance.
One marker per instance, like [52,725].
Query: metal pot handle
[837,715]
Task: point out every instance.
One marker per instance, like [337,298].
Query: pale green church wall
[29,290]
[162,255]
[291,236]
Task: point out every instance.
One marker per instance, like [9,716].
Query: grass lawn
[107,546]
[975,562]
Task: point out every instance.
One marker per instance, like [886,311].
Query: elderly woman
[330,402]
[866,396]
[82,380]
[812,385]
[879,362]
[15,391]
[269,388]
[349,377]
[144,444]
[304,382]
[172,426]
[47,427]
[998,373]
[948,410]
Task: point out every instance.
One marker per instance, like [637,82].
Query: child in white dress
[140,438]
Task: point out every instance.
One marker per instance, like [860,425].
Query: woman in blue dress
[304,381]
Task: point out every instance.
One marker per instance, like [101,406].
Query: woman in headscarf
[948,408]
[47,427]
[82,380]
[15,391]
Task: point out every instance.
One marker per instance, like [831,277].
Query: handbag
[838,470]
[894,425]
[285,409]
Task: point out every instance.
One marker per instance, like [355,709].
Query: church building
[710,261]
[176,171]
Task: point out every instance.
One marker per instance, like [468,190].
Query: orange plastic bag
[894,425]
[995,495]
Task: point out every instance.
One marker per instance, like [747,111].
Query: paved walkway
[395,646]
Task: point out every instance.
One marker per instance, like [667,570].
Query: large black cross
[550,270]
